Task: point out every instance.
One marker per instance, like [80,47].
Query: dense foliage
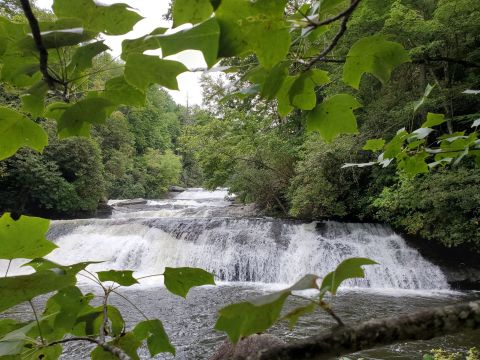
[133,154]
[428,98]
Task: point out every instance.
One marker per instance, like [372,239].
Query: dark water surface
[190,323]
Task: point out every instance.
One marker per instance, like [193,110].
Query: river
[251,256]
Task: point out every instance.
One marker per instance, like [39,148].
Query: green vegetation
[266,156]
[440,354]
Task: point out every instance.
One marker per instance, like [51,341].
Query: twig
[343,28]
[103,326]
[38,322]
[37,37]
[326,307]
[131,303]
[8,267]
[345,13]
[112,349]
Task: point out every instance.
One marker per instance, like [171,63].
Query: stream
[250,256]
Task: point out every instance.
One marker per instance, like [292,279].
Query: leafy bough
[258,315]
[68,315]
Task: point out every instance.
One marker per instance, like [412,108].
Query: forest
[360,117]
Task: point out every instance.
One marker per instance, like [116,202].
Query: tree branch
[421,325]
[112,349]
[346,12]
[37,37]
[343,28]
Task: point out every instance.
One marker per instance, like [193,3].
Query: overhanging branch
[37,38]
[346,15]
[421,325]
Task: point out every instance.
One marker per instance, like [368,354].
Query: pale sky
[152,11]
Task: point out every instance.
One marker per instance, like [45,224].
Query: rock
[246,348]
[176,189]
[131,202]
[104,210]
[231,197]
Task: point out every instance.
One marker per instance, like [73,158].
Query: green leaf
[55,110]
[40,264]
[203,37]
[8,325]
[24,238]
[244,319]
[419,134]
[65,306]
[274,80]
[293,316]
[52,352]
[34,100]
[83,56]
[119,91]
[254,26]
[55,39]
[60,33]
[334,116]
[374,144]
[143,70]
[17,131]
[433,120]
[123,278]
[191,11]
[13,342]
[394,147]
[348,269]
[180,280]
[88,322]
[141,44]
[375,55]
[259,314]
[283,96]
[116,19]
[302,92]
[17,289]
[414,165]
[77,119]
[20,71]
[127,342]
[157,339]
[426,94]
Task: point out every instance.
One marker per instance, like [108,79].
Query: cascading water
[194,229]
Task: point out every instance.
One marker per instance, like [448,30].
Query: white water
[183,232]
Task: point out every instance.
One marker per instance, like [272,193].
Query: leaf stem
[8,267]
[131,303]
[38,322]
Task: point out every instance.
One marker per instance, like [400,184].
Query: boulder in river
[174,188]
[104,210]
[130,202]
[246,348]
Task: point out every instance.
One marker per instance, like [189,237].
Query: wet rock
[131,202]
[231,197]
[104,210]
[176,189]
[246,348]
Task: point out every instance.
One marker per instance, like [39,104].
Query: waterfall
[193,229]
